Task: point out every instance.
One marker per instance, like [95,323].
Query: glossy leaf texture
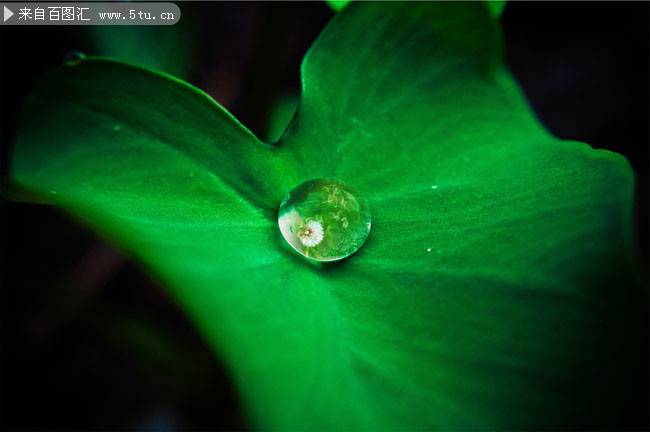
[492,291]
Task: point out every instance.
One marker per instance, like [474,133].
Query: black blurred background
[90,341]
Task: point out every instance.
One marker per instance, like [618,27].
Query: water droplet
[73,57]
[324,219]
[428,249]
[117,127]
[434,186]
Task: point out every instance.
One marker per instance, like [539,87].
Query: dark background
[89,341]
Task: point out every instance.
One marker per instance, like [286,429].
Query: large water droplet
[324,219]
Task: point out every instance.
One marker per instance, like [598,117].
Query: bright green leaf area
[337,5]
[491,291]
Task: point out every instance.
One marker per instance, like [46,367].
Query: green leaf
[494,6]
[491,291]
[282,111]
[169,49]
[337,5]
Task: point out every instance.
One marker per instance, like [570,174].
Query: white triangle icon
[7,14]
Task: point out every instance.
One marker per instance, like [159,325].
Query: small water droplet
[73,57]
[53,192]
[117,127]
[428,249]
[434,186]
[324,219]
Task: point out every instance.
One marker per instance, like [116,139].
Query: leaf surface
[490,291]
[169,49]
[494,6]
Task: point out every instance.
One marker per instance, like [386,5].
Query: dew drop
[117,127]
[74,57]
[324,219]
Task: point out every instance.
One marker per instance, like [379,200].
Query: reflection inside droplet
[324,219]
